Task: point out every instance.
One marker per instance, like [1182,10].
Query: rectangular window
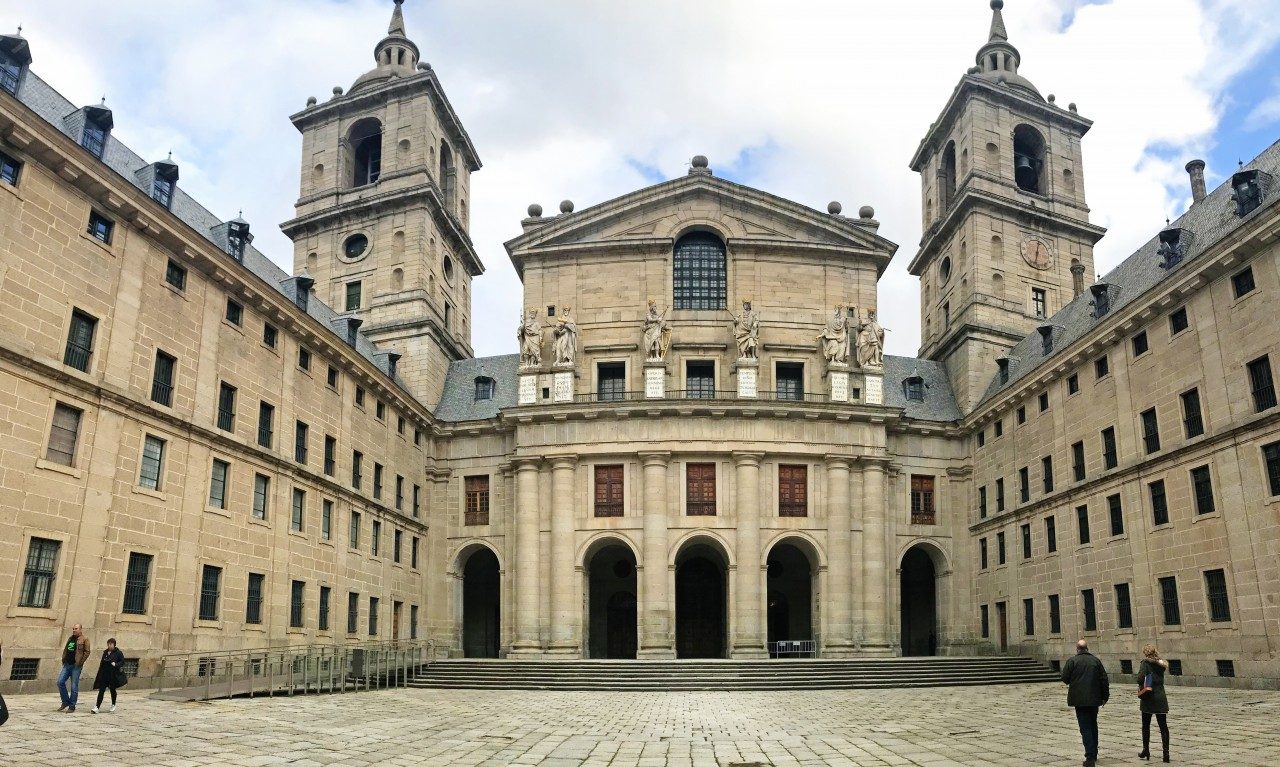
[353,296]
[24,669]
[261,495]
[235,312]
[985,618]
[176,275]
[700,489]
[1202,489]
[999,428]
[399,493]
[790,380]
[1124,608]
[1022,414]
[1150,431]
[9,167]
[300,430]
[1175,667]
[400,418]
[1024,485]
[1082,524]
[94,138]
[999,495]
[1077,461]
[982,502]
[1043,399]
[982,553]
[226,407]
[353,611]
[254,594]
[476,511]
[1101,367]
[397,544]
[1026,540]
[1140,345]
[304,358]
[326,519]
[417,500]
[1089,609]
[373,616]
[1000,551]
[1192,422]
[162,190]
[700,379]
[923,511]
[1226,668]
[330,455]
[1117,514]
[608,498]
[357,468]
[299,509]
[270,335]
[1215,586]
[152,463]
[1271,457]
[137,581]
[1039,302]
[1159,503]
[80,341]
[1109,457]
[1260,383]
[413,552]
[218,483]
[1046,471]
[380,410]
[41,569]
[100,227]
[322,616]
[1073,384]
[354,540]
[793,491]
[1055,614]
[1169,601]
[210,591]
[611,381]
[331,377]
[360,396]
[1126,666]
[1242,282]
[162,379]
[413,622]
[266,421]
[982,438]
[375,538]
[1051,534]
[1029,617]
[1178,321]
[377,480]
[297,600]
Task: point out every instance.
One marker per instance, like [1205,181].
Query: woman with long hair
[1152,700]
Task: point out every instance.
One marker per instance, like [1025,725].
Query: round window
[448,268]
[355,246]
[944,271]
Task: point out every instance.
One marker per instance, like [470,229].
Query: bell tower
[381,224]
[1005,218]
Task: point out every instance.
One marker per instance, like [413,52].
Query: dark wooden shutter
[608,491]
[477,498]
[922,509]
[700,489]
[793,491]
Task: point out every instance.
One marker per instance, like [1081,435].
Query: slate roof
[939,402]
[1208,221]
[458,402]
[55,109]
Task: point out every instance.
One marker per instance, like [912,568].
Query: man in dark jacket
[1087,690]
[74,653]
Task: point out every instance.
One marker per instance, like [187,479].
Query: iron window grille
[80,341]
[210,589]
[700,380]
[1192,421]
[611,381]
[1109,457]
[64,433]
[1082,524]
[218,484]
[253,598]
[326,519]
[297,600]
[608,491]
[1261,384]
[1055,614]
[1271,457]
[477,500]
[1124,607]
[1169,601]
[39,574]
[1159,503]
[261,495]
[1215,583]
[484,391]
[299,509]
[1226,668]
[700,489]
[226,407]
[790,381]
[152,463]
[266,419]
[1150,431]
[136,583]
[1089,609]
[322,614]
[300,430]
[24,669]
[162,379]
[1051,534]
[353,611]
[793,494]
[1077,461]
[330,455]
[700,280]
[1116,511]
[1202,489]
[9,169]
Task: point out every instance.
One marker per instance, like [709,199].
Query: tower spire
[397,20]
[998,32]
[998,60]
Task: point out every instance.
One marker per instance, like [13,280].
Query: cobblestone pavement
[1013,725]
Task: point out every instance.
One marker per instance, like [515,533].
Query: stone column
[838,640]
[528,601]
[875,619]
[566,612]
[748,639]
[657,638]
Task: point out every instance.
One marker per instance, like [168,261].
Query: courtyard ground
[1009,725]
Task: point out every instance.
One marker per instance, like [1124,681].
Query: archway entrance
[919,598]
[701,602]
[611,603]
[790,596]
[481,605]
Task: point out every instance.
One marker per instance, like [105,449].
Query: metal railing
[295,669]
[704,395]
[793,648]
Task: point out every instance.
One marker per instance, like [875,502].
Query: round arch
[932,547]
[701,565]
[479,606]
[463,551]
[364,152]
[609,564]
[793,563]
[702,535]
[802,540]
[922,569]
[604,539]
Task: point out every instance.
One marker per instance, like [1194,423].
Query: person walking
[74,653]
[4,710]
[1088,689]
[1152,700]
[110,675]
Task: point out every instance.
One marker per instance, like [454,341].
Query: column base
[563,651]
[524,651]
[878,650]
[839,649]
[749,653]
[656,653]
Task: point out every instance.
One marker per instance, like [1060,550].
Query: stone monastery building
[700,450]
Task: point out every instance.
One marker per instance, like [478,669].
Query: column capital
[563,460]
[874,462]
[838,461]
[526,463]
[746,458]
[655,458]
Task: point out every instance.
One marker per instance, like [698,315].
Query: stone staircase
[624,675]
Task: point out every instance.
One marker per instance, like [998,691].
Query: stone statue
[870,342]
[835,339]
[529,335]
[566,337]
[746,331]
[657,333]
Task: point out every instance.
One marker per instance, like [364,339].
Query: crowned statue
[566,337]
[657,333]
[529,336]
[746,331]
[835,339]
[870,342]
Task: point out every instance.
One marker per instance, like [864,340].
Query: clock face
[1035,253]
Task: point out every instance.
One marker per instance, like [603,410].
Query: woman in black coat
[110,675]
[1154,702]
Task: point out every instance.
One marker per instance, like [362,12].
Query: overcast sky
[814,100]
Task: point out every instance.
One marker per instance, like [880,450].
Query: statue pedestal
[562,384]
[528,392]
[838,382]
[873,385]
[655,379]
[747,372]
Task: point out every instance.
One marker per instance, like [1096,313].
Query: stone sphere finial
[311,101]
[866,211]
[535,211]
[1052,98]
[1072,106]
[337,90]
[566,206]
[997,5]
[834,208]
[700,161]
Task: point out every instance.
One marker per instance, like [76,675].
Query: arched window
[947,176]
[448,176]
[365,142]
[1028,159]
[700,281]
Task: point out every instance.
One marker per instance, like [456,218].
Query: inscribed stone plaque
[528,390]
[875,390]
[747,383]
[655,383]
[564,387]
[839,386]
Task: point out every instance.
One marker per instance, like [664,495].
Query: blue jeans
[1087,718]
[72,672]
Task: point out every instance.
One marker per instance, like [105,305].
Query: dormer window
[302,292]
[485,388]
[238,238]
[1101,299]
[14,57]
[1171,248]
[97,125]
[162,185]
[1046,339]
[913,388]
[1246,191]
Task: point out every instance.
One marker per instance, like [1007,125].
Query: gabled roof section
[458,400]
[939,403]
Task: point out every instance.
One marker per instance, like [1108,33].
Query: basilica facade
[700,449]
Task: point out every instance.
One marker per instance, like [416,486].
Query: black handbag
[121,678]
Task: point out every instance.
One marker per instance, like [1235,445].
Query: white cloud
[564,97]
